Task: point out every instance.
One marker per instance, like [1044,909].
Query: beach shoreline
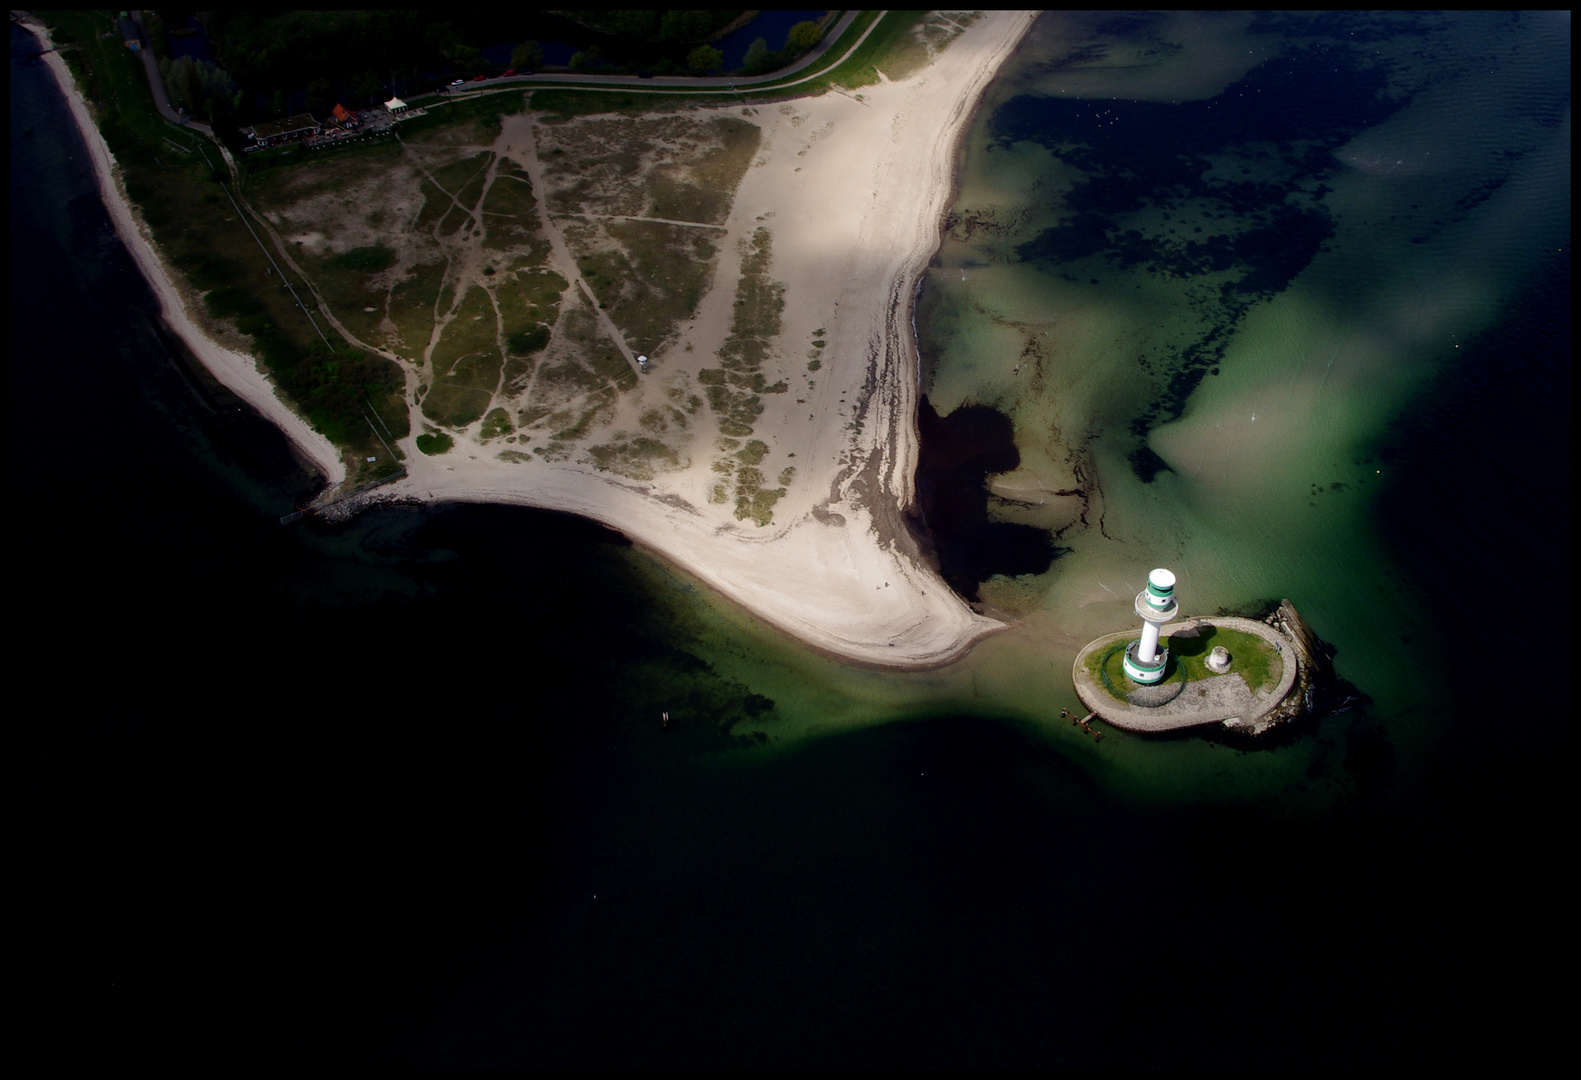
[236,371]
[840,570]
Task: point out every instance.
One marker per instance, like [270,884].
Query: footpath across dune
[842,206]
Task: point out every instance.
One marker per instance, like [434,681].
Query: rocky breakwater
[1312,663]
[1316,690]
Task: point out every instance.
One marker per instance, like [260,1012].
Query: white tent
[395,104]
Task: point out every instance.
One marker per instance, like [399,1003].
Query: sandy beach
[237,371]
[854,187]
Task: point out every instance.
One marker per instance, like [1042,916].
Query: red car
[508,73]
[479,78]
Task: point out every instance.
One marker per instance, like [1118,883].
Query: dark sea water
[396,792]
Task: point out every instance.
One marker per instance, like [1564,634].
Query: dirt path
[854,215]
[630,217]
[853,193]
[520,130]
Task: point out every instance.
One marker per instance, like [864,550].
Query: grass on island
[648,276]
[596,409]
[1251,657]
[1107,666]
[560,105]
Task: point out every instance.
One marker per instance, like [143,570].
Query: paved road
[157,85]
[722,83]
[717,83]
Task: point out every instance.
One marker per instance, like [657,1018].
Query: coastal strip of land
[844,199]
[236,371]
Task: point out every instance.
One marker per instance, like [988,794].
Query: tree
[638,23]
[369,87]
[704,59]
[685,25]
[158,34]
[320,95]
[528,56]
[803,36]
[468,58]
[199,86]
[578,61]
[756,60]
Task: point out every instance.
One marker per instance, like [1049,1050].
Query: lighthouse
[1144,660]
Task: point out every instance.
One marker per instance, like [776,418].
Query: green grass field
[1251,657]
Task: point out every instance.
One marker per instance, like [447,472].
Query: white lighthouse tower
[1144,660]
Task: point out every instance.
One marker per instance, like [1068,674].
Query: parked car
[508,73]
[479,78]
[458,82]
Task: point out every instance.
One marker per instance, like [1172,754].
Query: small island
[1245,675]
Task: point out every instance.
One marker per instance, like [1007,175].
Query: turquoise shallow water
[462,839]
[1205,263]
[1208,264]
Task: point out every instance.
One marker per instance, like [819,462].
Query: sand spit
[236,371]
[854,188]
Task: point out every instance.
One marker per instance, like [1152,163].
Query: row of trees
[266,51]
[760,60]
[661,27]
[205,91]
[705,59]
[201,87]
[264,60]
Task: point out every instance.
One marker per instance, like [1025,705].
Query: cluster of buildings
[342,123]
[280,132]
